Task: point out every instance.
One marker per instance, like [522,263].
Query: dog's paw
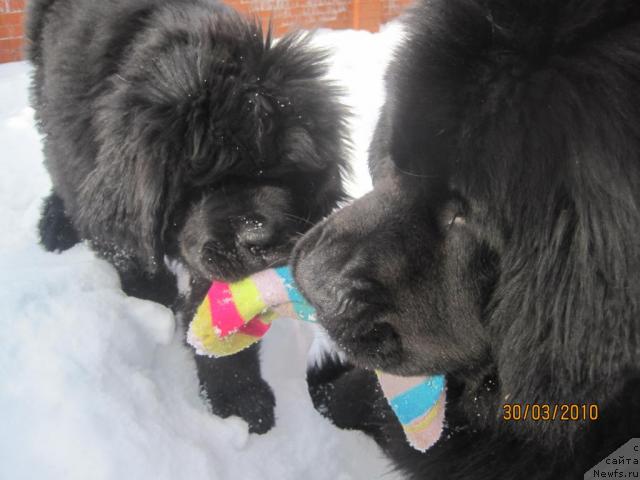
[55,228]
[348,396]
[321,382]
[252,401]
[160,287]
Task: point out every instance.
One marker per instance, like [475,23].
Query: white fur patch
[182,274]
[322,347]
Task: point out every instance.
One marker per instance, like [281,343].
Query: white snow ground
[96,385]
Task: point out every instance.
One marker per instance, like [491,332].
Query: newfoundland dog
[174,130]
[500,244]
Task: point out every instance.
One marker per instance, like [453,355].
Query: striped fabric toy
[234,316]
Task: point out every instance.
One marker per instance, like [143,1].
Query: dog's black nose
[255,231]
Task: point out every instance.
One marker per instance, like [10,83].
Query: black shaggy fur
[173,129]
[500,243]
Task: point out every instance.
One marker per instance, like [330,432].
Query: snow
[97,385]
[358,64]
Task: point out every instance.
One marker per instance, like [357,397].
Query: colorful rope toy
[234,316]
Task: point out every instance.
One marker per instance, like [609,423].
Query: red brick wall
[393,8]
[285,15]
[11,30]
[290,14]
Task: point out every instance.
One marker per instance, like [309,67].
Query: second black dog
[174,130]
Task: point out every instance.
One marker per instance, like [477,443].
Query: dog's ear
[128,196]
[312,134]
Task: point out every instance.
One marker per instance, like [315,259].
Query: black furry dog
[174,130]
[500,244]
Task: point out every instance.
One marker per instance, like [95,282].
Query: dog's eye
[457,219]
[453,213]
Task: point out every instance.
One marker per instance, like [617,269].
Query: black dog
[500,243]
[173,129]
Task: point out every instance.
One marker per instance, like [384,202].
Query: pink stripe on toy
[255,327]
[286,310]
[394,385]
[222,306]
[271,288]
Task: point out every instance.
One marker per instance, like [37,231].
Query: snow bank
[97,385]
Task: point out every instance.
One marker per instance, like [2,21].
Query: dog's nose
[255,231]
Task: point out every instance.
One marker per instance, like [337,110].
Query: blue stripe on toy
[303,309]
[418,400]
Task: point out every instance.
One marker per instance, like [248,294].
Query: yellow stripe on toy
[247,298]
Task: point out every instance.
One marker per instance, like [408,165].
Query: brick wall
[285,15]
[11,30]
